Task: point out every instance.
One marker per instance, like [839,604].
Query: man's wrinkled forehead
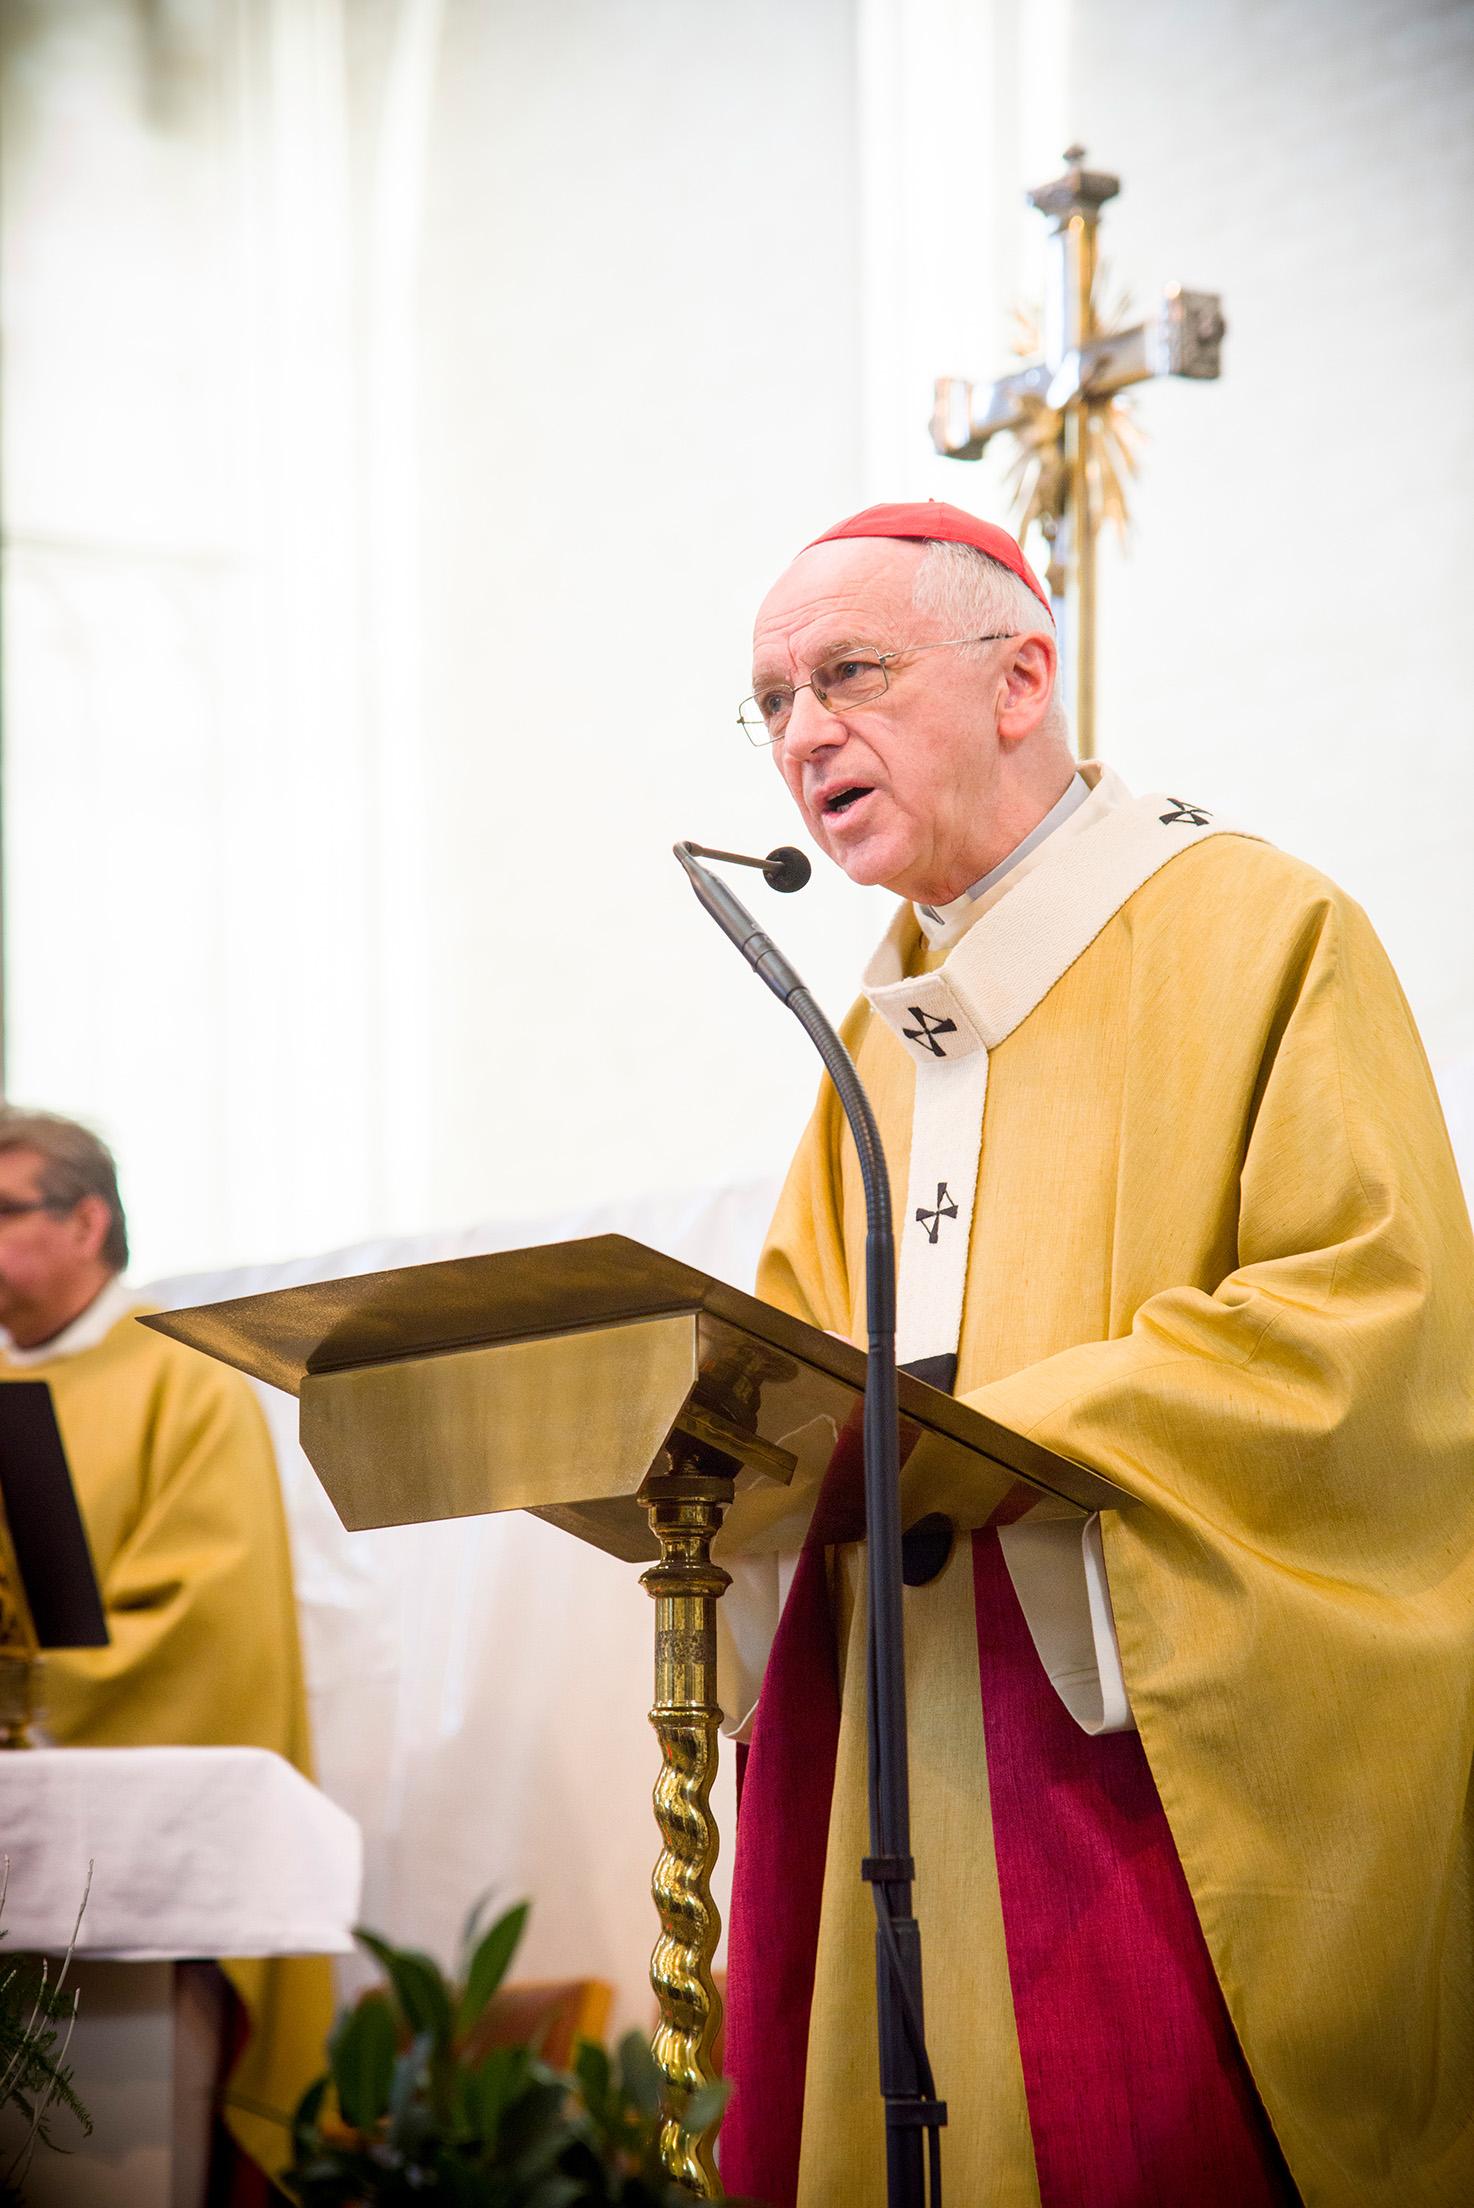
[855,590]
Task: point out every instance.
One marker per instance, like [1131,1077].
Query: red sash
[1138,2095]
[787,1782]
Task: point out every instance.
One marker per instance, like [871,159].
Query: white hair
[976,595]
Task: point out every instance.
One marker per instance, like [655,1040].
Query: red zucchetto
[932,521]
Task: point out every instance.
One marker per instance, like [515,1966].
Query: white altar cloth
[200,1852]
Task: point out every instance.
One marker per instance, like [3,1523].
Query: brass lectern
[649,1409]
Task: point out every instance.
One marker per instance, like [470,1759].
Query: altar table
[195,1853]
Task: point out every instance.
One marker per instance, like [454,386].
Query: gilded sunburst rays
[1038,480]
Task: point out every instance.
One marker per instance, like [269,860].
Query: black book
[47,1536]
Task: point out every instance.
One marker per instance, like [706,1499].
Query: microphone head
[786,868]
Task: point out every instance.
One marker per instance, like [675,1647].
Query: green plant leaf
[639,2074]
[471,1930]
[456,2186]
[34,2012]
[493,2088]
[705,2106]
[536,2127]
[419,1987]
[591,2068]
[361,2056]
[304,2119]
[556,2192]
[489,1964]
[409,2118]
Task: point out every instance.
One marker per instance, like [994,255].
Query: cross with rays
[1075,440]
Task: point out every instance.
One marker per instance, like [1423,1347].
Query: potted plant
[415,2104]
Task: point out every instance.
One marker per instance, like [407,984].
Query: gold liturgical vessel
[649,1409]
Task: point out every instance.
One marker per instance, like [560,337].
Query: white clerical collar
[940,920]
[85,1331]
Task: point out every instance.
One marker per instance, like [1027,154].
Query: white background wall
[1285,634]
[402,402]
[406,402]
[641,392]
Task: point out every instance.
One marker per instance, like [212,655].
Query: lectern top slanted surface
[550,1379]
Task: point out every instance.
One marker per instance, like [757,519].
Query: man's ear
[1028,686]
[91,1219]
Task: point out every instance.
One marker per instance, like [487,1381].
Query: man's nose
[810,727]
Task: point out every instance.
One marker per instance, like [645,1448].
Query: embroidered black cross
[1185,811]
[932,1220]
[929,1030]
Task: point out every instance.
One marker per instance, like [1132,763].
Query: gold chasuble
[1219,1252]
[178,1489]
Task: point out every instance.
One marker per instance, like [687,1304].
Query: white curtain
[393,452]
[212,620]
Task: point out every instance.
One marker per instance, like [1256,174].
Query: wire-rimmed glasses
[852,678]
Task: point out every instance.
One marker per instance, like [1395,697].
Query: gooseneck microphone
[906,2084]
[784,869]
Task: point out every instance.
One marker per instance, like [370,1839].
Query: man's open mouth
[843,799]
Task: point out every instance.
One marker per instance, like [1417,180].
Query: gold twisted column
[685,1507]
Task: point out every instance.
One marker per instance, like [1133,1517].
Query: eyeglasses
[11,1209]
[849,679]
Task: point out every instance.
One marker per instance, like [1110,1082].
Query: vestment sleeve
[1309,1419]
[803,1268]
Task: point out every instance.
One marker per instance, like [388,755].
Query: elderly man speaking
[1191,1781]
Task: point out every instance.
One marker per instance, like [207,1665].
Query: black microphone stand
[911,2105]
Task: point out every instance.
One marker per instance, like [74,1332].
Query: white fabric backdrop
[479,1688]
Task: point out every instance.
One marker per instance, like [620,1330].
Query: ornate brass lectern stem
[685,1507]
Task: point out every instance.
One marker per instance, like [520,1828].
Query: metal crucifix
[1075,441]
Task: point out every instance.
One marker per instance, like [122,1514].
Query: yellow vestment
[1220,1253]
[179,1493]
